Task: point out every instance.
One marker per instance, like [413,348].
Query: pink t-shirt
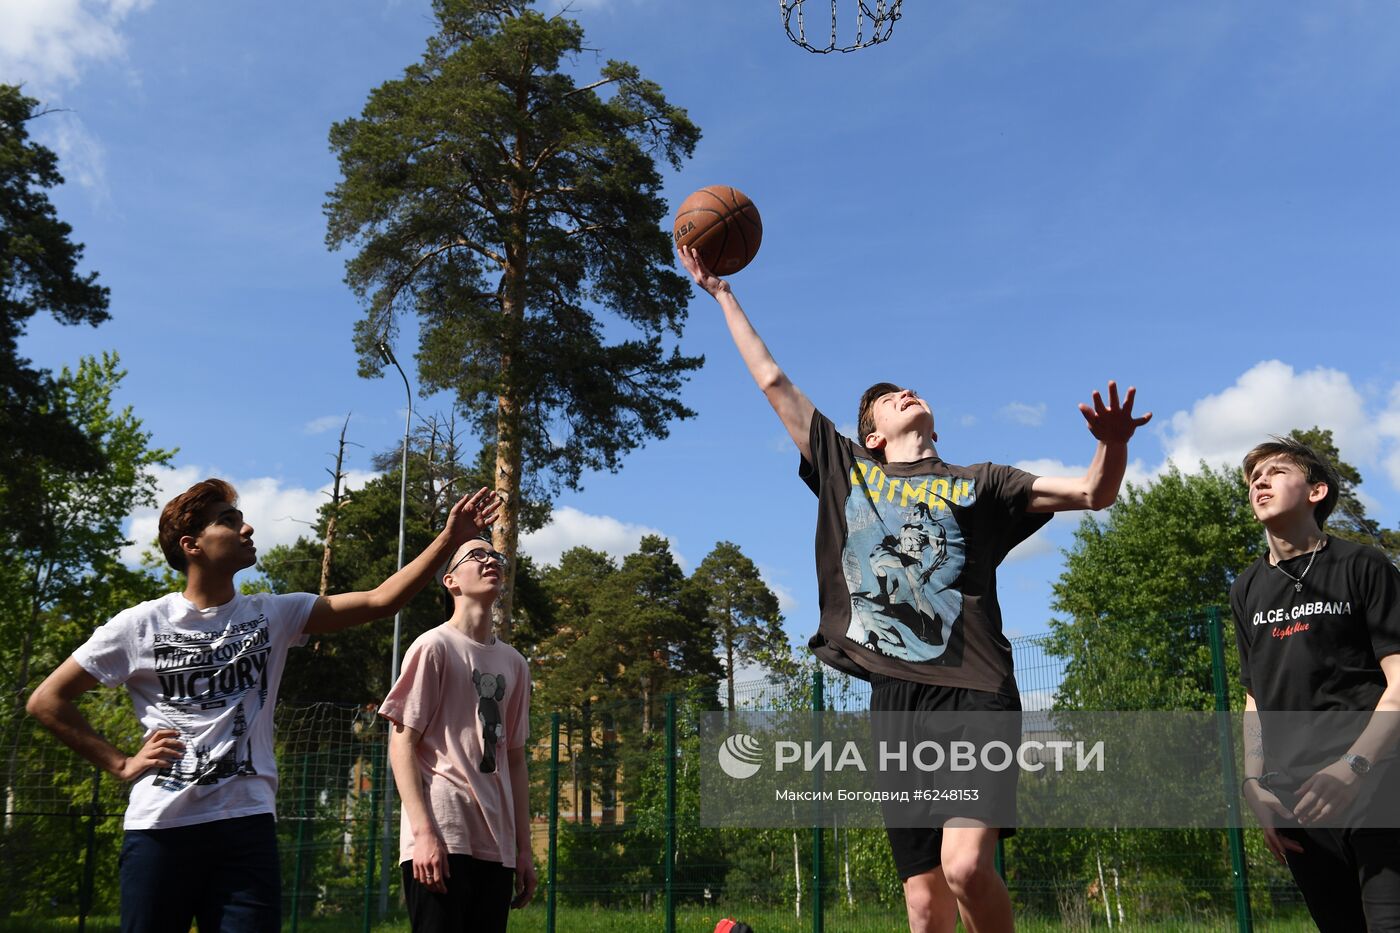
[471,703]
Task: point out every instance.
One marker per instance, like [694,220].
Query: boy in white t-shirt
[461,715]
[202,668]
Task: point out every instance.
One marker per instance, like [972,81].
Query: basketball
[722,224]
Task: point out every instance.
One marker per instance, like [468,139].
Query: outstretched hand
[472,515]
[1113,423]
[690,259]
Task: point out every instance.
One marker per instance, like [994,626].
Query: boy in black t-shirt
[907,551]
[1317,620]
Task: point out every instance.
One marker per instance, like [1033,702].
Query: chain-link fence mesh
[630,852]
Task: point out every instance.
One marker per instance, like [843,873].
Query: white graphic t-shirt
[212,674]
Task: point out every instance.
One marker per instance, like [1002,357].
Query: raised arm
[465,521]
[1112,424]
[794,409]
[52,703]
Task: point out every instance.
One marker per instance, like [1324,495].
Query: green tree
[353,666]
[1349,519]
[84,511]
[1136,588]
[506,205]
[742,610]
[54,591]
[38,273]
[565,675]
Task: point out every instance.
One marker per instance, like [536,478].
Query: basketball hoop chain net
[881,14]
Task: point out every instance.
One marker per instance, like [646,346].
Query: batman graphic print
[900,563]
[906,562]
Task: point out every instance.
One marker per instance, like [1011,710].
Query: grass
[698,920]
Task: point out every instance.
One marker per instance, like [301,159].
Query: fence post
[818,868]
[552,869]
[301,836]
[1239,870]
[670,813]
[90,857]
[372,833]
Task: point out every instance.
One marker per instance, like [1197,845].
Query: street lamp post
[390,846]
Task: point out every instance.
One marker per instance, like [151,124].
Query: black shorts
[917,849]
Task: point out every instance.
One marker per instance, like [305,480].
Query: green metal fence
[617,834]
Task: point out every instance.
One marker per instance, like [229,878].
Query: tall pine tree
[510,208]
[38,274]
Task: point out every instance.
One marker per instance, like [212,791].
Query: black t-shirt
[906,562]
[1318,649]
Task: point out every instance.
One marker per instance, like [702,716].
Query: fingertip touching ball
[723,225]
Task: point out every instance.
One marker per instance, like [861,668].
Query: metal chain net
[882,15]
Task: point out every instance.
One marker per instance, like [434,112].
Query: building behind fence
[615,792]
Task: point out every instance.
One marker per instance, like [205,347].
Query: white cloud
[47,43]
[967,421]
[279,513]
[1136,472]
[569,528]
[81,157]
[1272,398]
[1032,416]
[1033,700]
[1388,425]
[323,424]
[787,599]
[1036,545]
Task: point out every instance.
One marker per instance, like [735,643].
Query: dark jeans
[1350,878]
[477,899]
[223,875]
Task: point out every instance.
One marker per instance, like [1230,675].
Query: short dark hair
[184,515]
[1315,467]
[865,421]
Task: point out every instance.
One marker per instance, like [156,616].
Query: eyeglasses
[480,555]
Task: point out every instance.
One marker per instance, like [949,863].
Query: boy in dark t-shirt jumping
[1317,621]
[907,551]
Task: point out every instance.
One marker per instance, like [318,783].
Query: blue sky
[1003,207]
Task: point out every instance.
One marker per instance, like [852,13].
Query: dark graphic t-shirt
[906,562]
[1316,649]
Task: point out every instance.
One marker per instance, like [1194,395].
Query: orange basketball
[722,224]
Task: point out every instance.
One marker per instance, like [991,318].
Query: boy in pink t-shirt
[461,715]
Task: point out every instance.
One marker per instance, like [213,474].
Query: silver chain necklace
[1298,580]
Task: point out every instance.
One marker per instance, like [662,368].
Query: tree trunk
[729,658]
[607,784]
[506,534]
[336,478]
[586,764]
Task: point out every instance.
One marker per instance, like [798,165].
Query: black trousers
[1350,878]
[477,899]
